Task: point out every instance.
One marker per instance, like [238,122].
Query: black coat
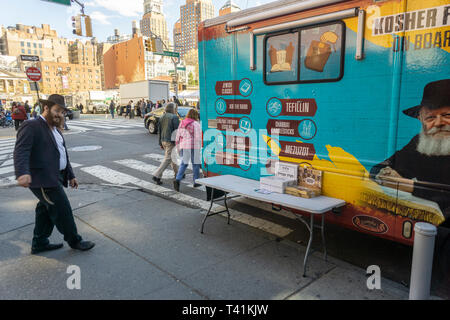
[432,173]
[36,153]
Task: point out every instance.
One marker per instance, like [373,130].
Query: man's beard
[53,121]
[433,144]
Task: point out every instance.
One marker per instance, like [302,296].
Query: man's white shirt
[60,143]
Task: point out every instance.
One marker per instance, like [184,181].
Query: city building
[14,86]
[66,78]
[228,7]
[177,34]
[128,61]
[30,40]
[191,14]
[102,48]
[84,53]
[153,22]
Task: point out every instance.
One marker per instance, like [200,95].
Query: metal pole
[175,62]
[37,91]
[422,263]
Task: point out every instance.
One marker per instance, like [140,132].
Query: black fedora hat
[436,95]
[55,99]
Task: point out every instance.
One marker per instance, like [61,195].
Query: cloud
[100,17]
[127,8]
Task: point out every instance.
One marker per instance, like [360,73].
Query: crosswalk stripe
[145,167]
[98,126]
[101,124]
[6,148]
[7,144]
[150,169]
[4,170]
[7,163]
[116,177]
[79,128]
[119,122]
[5,156]
[6,151]
[105,124]
[7,140]
[160,157]
[8,181]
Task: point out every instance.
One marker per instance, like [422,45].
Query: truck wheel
[152,127]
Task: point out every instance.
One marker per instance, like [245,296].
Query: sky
[106,15]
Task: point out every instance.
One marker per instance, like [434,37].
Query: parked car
[151,119]
[98,108]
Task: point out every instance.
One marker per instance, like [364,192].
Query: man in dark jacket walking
[168,123]
[112,108]
[42,164]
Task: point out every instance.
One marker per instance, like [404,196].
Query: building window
[22,44]
[29,51]
[28,45]
[23,50]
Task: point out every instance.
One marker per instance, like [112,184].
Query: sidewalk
[151,248]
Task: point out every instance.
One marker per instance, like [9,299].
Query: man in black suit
[42,164]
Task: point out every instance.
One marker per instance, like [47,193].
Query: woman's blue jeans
[193,156]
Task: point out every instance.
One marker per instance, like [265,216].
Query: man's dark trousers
[58,214]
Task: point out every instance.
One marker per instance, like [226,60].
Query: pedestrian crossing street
[141,177]
[7,177]
[104,124]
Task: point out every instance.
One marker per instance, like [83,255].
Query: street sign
[34,86]
[33,74]
[181,68]
[169,54]
[64,2]
[24,57]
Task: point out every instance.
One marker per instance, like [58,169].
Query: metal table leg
[208,213]
[323,237]
[209,210]
[311,231]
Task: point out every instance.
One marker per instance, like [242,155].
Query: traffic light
[88,25]
[76,24]
[148,45]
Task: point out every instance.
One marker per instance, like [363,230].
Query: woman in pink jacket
[189,146]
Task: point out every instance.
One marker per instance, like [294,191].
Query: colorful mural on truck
[379,127]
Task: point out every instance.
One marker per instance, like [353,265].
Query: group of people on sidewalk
[185,138]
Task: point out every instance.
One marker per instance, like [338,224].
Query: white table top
[246,188]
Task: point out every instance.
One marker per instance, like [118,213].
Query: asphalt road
[121,151]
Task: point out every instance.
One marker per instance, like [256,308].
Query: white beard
[434,145]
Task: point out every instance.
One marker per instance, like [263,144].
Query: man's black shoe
[48,247]
[196,185]
[176,185]
[157,180]
[83,245]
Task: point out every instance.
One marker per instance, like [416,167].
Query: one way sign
[24,57]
